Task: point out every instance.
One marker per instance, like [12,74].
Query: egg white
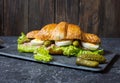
[36,42]
[90,45]
[63,43]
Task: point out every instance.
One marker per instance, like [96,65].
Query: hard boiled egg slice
[90,45]
[63,42]
[36,42]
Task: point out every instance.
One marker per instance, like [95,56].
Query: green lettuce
[70,50]
[22,38]
[42,54]
[26,48]
[75,51]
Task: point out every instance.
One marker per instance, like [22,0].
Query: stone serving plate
[59,60]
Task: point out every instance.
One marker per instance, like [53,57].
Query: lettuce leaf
[22,38]
[75,51]
[70,50]
[26,48]
[42,54]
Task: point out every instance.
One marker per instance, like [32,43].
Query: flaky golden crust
[73,32]
[60,31]
[91,38]
[32,34]
[45,32]
[65,31]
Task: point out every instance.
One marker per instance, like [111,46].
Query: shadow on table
[115,59]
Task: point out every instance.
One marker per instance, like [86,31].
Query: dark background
[101,17]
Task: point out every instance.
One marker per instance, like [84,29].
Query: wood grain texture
[1,17]
[72,11]
[116,28]
[89,15]
[101,17]
[67,10]
[111,18]
[41,12]
[60,10]
[15,17]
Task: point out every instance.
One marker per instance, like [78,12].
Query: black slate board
[59,60]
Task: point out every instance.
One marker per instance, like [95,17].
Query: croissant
[60,31]
[73,32]
[65,31]
[32,34]
[91,38]
[45,32]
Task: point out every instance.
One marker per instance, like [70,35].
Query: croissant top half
[60,31]
[63,31]
[45,32]
[91,38]
[32,34]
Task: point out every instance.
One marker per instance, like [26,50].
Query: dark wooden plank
[41,12]
[72,11]
[67,10]
[117,18]
[89,15]
[15,17]
[111,18]
[60,10]
[101,17]
[1,17]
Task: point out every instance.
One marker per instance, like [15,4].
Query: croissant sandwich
[62,38]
